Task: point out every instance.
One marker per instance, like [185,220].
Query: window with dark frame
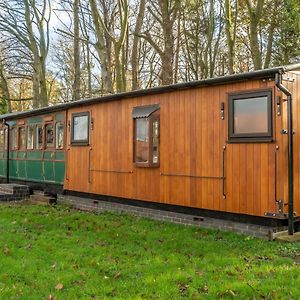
[39,137]
[30,137]
[22,138]
[146,135]
[59,135]
[2,140]
[250,117]
[80,128]
[49,135]
[14,138]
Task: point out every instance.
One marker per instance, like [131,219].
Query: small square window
[250,117]
[80,128]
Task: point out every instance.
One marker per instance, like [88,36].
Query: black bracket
[280,206]
[285,131]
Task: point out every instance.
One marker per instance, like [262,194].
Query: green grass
[75,255]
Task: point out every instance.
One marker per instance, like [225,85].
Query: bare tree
[27,22]
[164,14]
[76,49]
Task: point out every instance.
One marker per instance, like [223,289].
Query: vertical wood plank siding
[192,137]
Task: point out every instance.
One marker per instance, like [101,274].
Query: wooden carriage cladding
[220,144]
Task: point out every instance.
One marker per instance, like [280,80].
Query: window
[146,135]
[14,138]
[1,139]
[250,117]
[22,138]
[59,135]
[5,138]
[39,137]
[80,128]
[30,137]
[49,136]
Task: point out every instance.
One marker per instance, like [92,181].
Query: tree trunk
[135,46]
[229,29]
[103,49]
[76,49]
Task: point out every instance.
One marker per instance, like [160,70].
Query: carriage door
[250,153]
[79,141]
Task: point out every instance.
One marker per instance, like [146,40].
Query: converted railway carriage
[223,146]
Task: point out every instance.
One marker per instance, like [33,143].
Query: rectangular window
[22,138]
[146,135]
[142,140]
[30,137]
[1,139]
[80,128]
[250,117]
[39,137]
[49,136]
[59,135]
[5,138]
[14,138]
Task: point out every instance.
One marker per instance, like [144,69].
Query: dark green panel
[60,155]
[34,120]
[22,169]
[22,155]
[33,155]
[59,117]
[13,169]
[59,170]
[49,171]
[49,155]
[2,167]
[35,170]
[13,154]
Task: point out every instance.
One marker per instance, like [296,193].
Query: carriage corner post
[7,149]
[290,133]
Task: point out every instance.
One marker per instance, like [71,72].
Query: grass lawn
[56,253]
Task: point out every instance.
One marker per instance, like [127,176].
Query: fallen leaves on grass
[59,286]
[117,275]
[6,251]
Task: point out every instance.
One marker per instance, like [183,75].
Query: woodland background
[60,51]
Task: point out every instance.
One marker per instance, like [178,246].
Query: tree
[26,24]
[160,34]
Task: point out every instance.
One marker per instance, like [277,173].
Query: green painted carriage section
[42,166]
[35,166]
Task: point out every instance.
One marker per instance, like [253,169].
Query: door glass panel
[251,115]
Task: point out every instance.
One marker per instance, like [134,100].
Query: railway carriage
[226,146]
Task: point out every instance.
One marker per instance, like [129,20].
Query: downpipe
[7,150]
[278,83]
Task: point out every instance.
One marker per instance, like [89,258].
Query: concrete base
[285,237]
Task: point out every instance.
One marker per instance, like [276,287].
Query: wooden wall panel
[191,154]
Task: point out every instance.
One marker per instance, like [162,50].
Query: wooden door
[251,154]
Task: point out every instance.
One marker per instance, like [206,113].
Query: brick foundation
[88,204]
